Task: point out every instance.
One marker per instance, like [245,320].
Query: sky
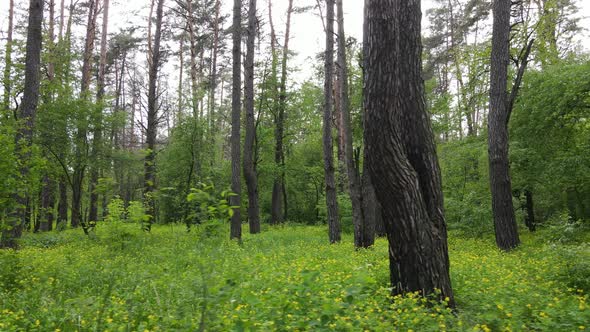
[307,37]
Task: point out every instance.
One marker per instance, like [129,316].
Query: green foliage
[116,210]
[550,149]
[136,212]
[464,167]
[174,280]
[206,205]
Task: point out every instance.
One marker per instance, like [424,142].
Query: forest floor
[287,278]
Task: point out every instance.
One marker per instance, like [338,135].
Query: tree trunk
[249,166]
[81,143]
[504,219]
[354,185]
[62,206]
[401,153]
[149,184]
[529,218]
[236,220]
[98,120]
[7,81]
[331,199]
[26,118]
[212,87]
[47,204]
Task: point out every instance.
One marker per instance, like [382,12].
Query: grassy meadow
[287,279]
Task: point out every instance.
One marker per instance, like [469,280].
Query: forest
[199,165]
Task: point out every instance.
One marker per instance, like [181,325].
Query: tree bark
[236,220]
[149,184]
[249,165]
[500,185]
[361,240]
[331,198]
[401,153]
[26,118]
[98,120]
[47,204]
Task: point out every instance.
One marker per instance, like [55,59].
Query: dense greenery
[287,278]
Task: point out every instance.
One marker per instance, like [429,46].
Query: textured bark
[98,121]
[370,209]
[500,185]
[249,165]
[236,220]
[331,198]
[361,239]
[26,118]
[81,150]
[401,152]
[149,184]
[7,82]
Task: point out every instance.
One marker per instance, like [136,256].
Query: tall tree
[236,220]
[363,238]
[7,81]
[26,118]
[331,198]
[501,105]
[98,119]
[154,59]
[249,165]
[81,149]
[279,197]
[401,152]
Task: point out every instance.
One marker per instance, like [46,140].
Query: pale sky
[307,37]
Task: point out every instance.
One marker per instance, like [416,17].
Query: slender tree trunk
[62,206]
[401,152]
[331,198]
[249,166]
[149,184]
[500,185]
[213,86]
[7,81]
[26,118]
[276,215]
[529,218]
[47,204]
[354,185]
[236,219]
[98,120]
[81,135]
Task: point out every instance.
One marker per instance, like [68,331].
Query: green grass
[287,278]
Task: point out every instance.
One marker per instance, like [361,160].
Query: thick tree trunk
[26,118]
[236,220]
[331,198]
[149,184]
[98,120]
[354,184]
[401,152]
[249,165]
[500,185]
